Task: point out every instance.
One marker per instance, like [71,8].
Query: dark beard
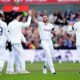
[45,21]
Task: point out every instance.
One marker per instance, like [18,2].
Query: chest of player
[46,28]
[16,26]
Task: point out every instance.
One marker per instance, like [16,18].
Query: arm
[34,16]
[52,29]
[56,31]
[26,24]
[35,20]
[24,41]
[23,38]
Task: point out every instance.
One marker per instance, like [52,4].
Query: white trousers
[48,48]
[3,57]
[78,51]
[16,56]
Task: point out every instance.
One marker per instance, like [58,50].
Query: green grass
[65,71]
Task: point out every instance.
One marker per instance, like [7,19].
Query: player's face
[45,19]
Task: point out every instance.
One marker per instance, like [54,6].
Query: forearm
[35,20]
[27,24]
[23,38]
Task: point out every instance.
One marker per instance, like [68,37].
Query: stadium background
[66,70]
[52,7]
[61,14]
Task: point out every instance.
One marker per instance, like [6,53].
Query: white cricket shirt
[76,27]
[15,30]
[45,30]
[4,36]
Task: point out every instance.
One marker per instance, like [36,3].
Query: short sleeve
[52,26]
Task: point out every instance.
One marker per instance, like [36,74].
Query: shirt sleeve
[52,27]
[26,24]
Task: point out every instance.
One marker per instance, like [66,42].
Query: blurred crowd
[63,21]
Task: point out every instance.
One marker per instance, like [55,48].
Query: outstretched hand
[30,13]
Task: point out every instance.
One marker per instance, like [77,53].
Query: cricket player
[45,29]
[76,27]
[16,38]
[4,36]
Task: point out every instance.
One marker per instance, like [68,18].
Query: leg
[19,56]
[18,67]
[20,60]
[2,58]
[78,49]
[48,56]
[74,55]
[2,62]
[52,53]
[45,65]
[10,62]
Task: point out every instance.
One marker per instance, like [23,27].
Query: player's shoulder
[4,23]
[51,25]
[10,23]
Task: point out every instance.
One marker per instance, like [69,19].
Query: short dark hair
[15,14]
[45,15]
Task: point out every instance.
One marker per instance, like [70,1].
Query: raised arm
[27,24]
[33,16]
[35,20]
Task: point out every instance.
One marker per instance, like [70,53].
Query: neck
[17,19]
